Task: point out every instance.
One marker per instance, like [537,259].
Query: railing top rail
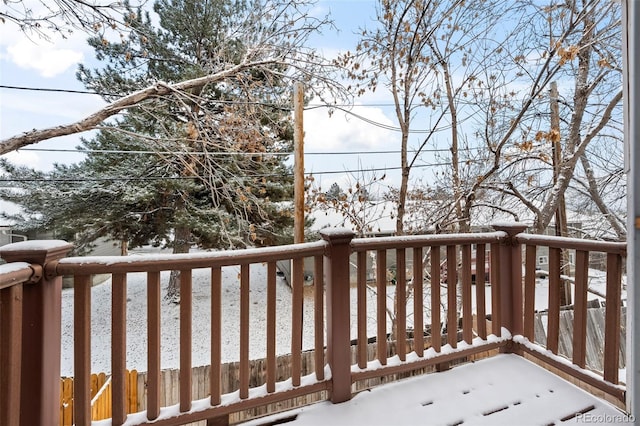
[165,262]
[573,243]
[15,273]
[410,241]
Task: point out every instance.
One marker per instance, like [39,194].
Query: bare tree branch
[158,89]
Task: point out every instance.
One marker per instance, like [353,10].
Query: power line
[42,89]
[89,92]
[340,107]
[316,153]
[159,178]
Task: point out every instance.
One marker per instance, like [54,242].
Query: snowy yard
[137,321]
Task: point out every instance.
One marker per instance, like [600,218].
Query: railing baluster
[271,327]
[381,286]
[82,349]
[418,309]
[297,277]
[553,320]
[118,348]
[481,311]
[362,308]
[612,318]
[452,298]
[186,325]
[436,335]
[401,311]
[216,334]
[244,331]
[530,292]
[580,308]
[318,282]
[494,277]
[467,320]
[153,351]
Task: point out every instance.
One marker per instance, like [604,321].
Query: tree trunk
[462,220]
[616,224]
[182,244]
[561,209]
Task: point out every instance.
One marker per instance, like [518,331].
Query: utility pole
[298,154]
[297,267]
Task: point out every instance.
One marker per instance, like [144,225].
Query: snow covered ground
[170,328]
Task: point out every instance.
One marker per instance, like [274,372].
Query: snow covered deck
[501,390]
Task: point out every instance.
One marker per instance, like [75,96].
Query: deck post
[631,120]
[510,275]
[336,271]
[41,331]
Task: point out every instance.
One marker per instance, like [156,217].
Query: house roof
[380,216]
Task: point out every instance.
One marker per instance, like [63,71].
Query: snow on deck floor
[501,390]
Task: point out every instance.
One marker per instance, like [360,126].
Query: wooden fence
[100,397]
[595,335]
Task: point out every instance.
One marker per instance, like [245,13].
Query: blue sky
[37,63]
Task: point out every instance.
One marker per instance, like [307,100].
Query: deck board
[501,390]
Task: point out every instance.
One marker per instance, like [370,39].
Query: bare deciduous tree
[43,18]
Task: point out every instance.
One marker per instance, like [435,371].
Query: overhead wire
[256,175]
[285,153]
[342,108]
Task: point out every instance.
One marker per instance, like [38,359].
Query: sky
[36,63]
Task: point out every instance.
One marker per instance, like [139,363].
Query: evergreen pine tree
[201,168]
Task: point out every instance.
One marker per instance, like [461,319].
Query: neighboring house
[8,236]
[385,224]
[542,259]
[102,247]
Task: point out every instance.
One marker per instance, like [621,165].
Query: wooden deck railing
[397,296]
[12,279]
[578,279]
[30,381]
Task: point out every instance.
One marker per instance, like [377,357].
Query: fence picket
[66,403]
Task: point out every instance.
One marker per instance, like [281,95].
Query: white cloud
[47,60]
[343,131]
[23,158]
[49,55]
[21,107]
